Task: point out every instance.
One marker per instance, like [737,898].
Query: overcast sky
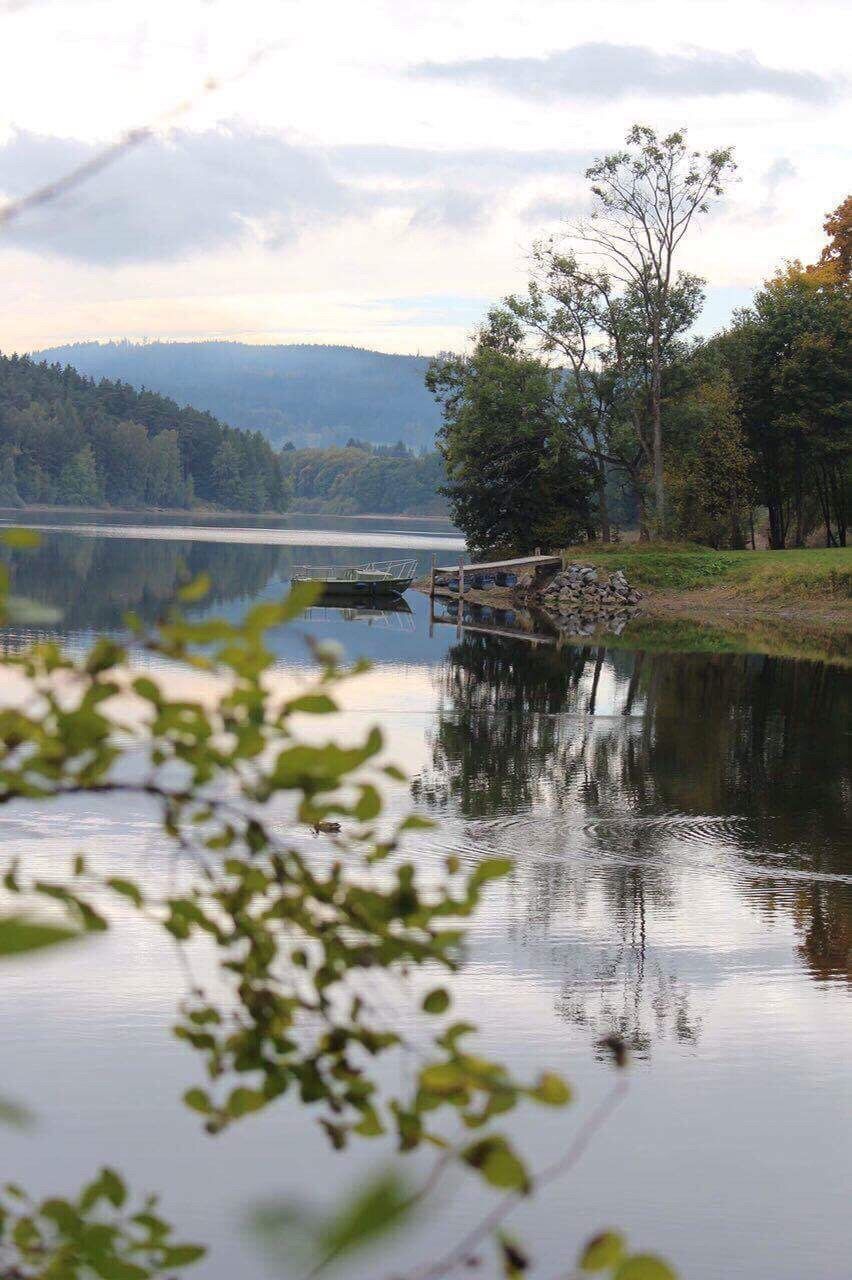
[374,173]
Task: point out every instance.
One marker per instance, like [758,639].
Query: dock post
[432,578]
[461,597]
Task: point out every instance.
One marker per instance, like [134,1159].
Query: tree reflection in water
[609,773]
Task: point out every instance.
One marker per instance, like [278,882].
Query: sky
[375,173]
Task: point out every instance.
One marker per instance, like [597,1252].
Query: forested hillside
[362,478]
[66,439]
[310,395]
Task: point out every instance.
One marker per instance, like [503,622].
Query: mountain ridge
[312,394]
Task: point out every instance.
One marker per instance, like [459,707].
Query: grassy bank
[774,578]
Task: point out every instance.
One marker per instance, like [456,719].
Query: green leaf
[127,889]
[113,1268]
[369,804]
[113,1187]
[492,869]
[181,1255]
[315,704]
[195,590]
[644,1266]
[603,1252]
[103,656]
[62,1213]
[243,1101]
[370,1213]
[26,1235]
[18,935]
[198,1100]
[20,538]
[551,1089]
[437,1001]
[497,1162]
[12,1113]
[415,822]
[148,690]
[301,597]
[442,1078]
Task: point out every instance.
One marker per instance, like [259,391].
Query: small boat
[379,578]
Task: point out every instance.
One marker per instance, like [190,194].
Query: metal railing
[376,569]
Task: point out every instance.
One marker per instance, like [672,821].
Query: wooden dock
[509,569]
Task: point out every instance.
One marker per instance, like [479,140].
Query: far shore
[210,513]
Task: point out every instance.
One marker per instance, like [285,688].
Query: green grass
[818,573]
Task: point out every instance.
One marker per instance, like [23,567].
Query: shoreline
[208,513]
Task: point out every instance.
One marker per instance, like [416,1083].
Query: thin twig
[126,142]
[590,1127]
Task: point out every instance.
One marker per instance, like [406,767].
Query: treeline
[360,478]
[68,440]
[586,400]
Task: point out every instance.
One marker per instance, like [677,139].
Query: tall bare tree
[595,328]
[646,198]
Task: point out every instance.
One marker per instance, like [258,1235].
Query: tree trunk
[644,532]
[657,425]
[776,527]
[603,506]
[798,498]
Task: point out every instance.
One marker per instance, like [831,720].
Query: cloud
[483,165]
[553,209]
[169,197]
[453,210]
[779,172]
[177,196]
[607,71]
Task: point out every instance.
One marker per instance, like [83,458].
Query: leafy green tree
[365,478]
[789,359]
[164,480]
[710,478]
[9,495]
[514,481]
[79,483]
[227,478]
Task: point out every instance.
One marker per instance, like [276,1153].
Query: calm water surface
[681,830]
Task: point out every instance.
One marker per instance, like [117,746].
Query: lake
[681,825]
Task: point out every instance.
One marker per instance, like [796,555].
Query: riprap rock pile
[581,598]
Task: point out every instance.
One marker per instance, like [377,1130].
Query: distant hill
[311,395]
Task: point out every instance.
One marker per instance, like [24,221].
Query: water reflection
[94,581]
[625,768]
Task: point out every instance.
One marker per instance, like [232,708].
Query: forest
[66,439]
[363,478]
[588,398]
